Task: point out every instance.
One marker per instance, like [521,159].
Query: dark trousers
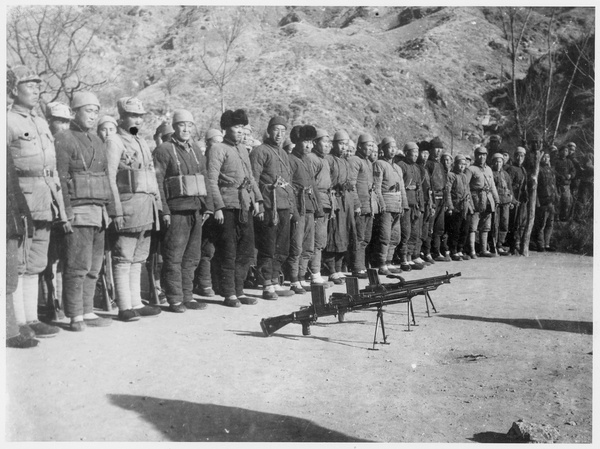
[84,249]
[302,245]
[426,230]
[387,227]
[544,224]
[234,247]
[438,246]
[181,255]
[458,232]
[273,245]
[203,277]
[12,282]
[565,202]
[410,233]
[517,223]
[501,221]
[364,230]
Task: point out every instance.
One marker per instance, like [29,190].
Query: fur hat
[233,118]
[436,142]
[302,133]
[424,145]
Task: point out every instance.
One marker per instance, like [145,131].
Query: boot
[484,245]
[121,273]
[472,254]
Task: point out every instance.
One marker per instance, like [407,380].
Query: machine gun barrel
[340,303]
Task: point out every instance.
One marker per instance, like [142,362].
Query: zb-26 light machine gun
[375,295]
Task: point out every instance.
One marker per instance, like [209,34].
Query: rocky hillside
[412,73]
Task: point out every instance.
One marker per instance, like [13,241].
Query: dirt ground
[512,339]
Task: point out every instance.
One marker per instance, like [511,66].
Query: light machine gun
[375,295]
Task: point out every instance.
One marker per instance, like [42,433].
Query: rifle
[108,285]
[152,267]
[354,299]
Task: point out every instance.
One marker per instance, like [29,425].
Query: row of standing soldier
[317,208]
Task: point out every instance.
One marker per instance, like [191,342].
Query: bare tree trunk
[533,184]
[562,105]
[547,101]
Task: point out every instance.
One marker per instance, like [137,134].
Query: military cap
[365,138]
[106,119]
[446,154]
[341,135]
[248,127]
[163,129]
[24,74]
[277,120]
[233,118]
[468,158]
[481,150]
[351,143]
[460,157]
[387,141]
[520,150]
[302,133]
[212,133]
[182,115]
[497,156]
[436,142]
[57,109]
[572,144]
[130,105]
[410,146]
[81,99]
[495,137]
[321,133]
[287,143]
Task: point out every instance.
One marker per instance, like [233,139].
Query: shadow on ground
[575,327]
[492,437]
[188,421]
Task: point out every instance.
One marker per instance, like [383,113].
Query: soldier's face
[247,136]
[390,150]
[519,159]
[374,154]
[132,122]
[350,151]
[563,152]
[235,133]
[480,159]
[87,116]
[412,155]
[535,145]
[277,134]
[306,146]
[424,155]
[106,129]
[323,144]
[340,147]
[437,152]
[494,144]
[447,163]
[58,124]
[27,94]
[462,165]
[497,164]
[545,161]
[213,140]
[183,130]
[572,149]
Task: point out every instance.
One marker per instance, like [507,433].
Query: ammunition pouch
[136,181]
[87,185]
[185,186]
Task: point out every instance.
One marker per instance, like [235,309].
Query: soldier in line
[236,198]
[137,204]
[82,166]
[163,133]
[186,204]
[32,148]
[485,198]
[389,180]
[547,199]
[271,168]
[341,230]
[565,173]
[203,277]
[320,167]
[441,200]
[308,206]
[368,199]
[424,243]
[518,215]
[458,222]
[506,203]
[410,226]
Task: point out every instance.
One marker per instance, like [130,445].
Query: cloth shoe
[472,255]
[148,311]
[26,331]
[416,265]
[247,300]
[177,308]
[383,270]
[317,279]
[405,266]
[128,315]
[429,259]
[362,274]
[43,330]
[394,269]
[486,254]
[297,288]
[232,301]
[194,305]
[207,292]
[269,293]
[77,326]
[280,291]
[98,322]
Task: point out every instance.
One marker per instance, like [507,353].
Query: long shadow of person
[575,327]
[188,421]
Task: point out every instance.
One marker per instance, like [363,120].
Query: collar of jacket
[318,153]
[229,142]
[185,145]
[298,153]
[74,126]
[22,110]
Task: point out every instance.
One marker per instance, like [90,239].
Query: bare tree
[532,191]
[550,74]
[513,32]
[55,41]
[220,59]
